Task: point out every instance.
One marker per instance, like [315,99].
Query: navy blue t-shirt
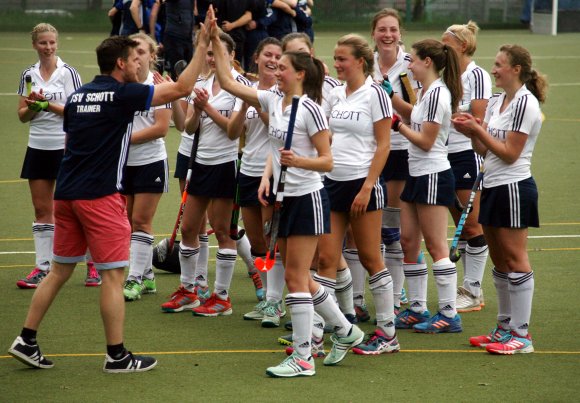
[98,120]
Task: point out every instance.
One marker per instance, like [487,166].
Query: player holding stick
[466,164]
[305,213]
[509,199]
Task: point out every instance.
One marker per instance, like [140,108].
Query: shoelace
[34,273]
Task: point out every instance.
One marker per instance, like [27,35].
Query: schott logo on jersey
[497,133]
[252,114]
[145,114]
[223,112]
[345,115]
[277,133]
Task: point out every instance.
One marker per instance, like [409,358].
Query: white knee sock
[504,306]
[302,311]
[201,271]
[245,252]
[521,289]
[43,235]
[141,254]
[358,273]
[188,260]
[276,281]
[475,260]
[344,295]
[416,275]
[445,274]
[381,286]
[394,262]
[328,309]
[224,271]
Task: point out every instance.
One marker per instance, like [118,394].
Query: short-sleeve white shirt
[522,115]
[476,84]
[309,121]
[433,105]
[46,130]
[351,121]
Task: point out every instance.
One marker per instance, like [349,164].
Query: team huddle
[348,176]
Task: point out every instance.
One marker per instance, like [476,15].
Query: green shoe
[149,286]
[257,313]
[293,366]
[341,345]
[132,290]
[273,311]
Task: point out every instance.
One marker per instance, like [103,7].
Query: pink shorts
[99,224]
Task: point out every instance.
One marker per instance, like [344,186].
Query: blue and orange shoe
[407,319]
[513,344]
[440,323]
[497,335]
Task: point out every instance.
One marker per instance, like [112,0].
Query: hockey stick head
[161,249]
[454,254]
[180,65]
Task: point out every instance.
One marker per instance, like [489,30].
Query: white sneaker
[257,313]
[273,311]
[293,366]
[467,302]
[341,345]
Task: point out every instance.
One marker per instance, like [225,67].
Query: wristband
[38,106]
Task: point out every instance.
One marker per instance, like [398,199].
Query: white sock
[504,306]
[394,262]
[461,249]
[318,326]
[188,257]
[201,272]
[381,286]
[475,260]
[329,310]
[224,271]
[43,235]
[416,275]
[358,274]
[245,252]
[276,281]
[329,285]
[141,254]
[302,311]
[521,290]
[445,274]
[343,291]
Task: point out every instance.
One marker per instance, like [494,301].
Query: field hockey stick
[454,254]
[162,251]
[180,65]
[273,226]
[407,89]
[234,233]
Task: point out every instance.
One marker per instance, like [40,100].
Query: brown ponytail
[534,81]
[313,73]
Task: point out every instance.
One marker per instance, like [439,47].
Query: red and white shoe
[181,300]
[214,306]
[33,279]
[514,344]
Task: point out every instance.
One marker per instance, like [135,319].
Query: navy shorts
[150,178]
[41,164]
[465,166]
[248,187]
[397,166]
[213,181]
[342,194]
[305,215]
[437,189]
[514,205]
[181,166]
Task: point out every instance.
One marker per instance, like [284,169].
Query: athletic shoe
[497,335]
[513,344]
[351,318]
[33,279]
[257,313]
[362,313]
[397,310]
[181,300]
[466,301]
[481,299]
[408,318]
[285,340]
[203,293]
[93,278]
[132,290]
[378,343]
[341,345]
[273,311]
[403,300]
[149,286]
[214,306]
[440,323]
[293,366]
[28,354]
[316,348]
[258,285]
[129,363]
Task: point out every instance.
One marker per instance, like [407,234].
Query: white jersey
[257,146]
[327,86]
[46,131]
[351,121]
[187,139]
[433,106]
[215,147]
[309,121]
[476,84]
[522,115]
[398,141]
[151,151]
